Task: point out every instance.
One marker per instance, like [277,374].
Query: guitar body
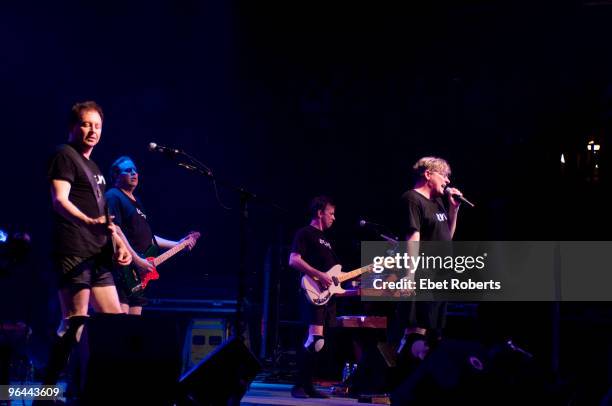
[149,276]
[318,296]
[129,276]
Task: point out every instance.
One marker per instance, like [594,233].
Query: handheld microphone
[458,197]
[154,147]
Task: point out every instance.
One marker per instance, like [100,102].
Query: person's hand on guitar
[324,280]
[143,265]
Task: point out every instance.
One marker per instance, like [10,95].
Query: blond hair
[431,163]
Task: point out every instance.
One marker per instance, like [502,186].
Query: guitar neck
[353,274]
[171,252]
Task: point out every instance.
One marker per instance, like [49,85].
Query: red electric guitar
[137,280]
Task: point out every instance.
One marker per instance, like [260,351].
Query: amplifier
[224,308]
[203,336]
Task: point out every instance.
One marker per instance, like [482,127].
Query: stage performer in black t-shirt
[425,217]
[82,251]
[130,216]
[312,254]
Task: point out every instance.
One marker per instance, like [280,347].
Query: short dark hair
[80,107]
[114,169]
[319,203]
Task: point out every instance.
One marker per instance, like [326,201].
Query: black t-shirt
[70,238]
[314,248]
[130,216]
[428,217]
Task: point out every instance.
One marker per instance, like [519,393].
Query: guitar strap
[154,241]
[139,205]
[97,191]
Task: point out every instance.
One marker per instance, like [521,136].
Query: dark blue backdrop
[295,99]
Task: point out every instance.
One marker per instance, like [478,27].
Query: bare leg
[315,330]
[125,308]
[136,310]
[106,300]
[74,304]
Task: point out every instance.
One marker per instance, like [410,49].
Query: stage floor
[280,394]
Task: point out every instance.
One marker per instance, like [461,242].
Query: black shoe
[298,392]
[313,393]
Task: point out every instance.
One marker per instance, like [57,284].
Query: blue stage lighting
[3,236]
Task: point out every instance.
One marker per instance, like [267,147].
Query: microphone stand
[245,197]
[388,238]
[381,234]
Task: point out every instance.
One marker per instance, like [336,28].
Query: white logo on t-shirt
[324,243]
[441,216]
[141,213]
[100,179]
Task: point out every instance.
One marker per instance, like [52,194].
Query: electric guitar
[137,280]
[319,296]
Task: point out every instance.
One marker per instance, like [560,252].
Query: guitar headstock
[190,240]
[194,235]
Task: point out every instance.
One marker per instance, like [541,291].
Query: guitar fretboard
[172,251]
[353,274]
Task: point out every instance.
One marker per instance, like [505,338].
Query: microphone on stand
[363,223]
[386,236]
[154,147]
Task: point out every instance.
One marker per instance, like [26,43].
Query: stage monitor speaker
[130,359]
[222,378]
[465,372]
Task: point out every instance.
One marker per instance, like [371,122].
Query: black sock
[61,349]
[305,364]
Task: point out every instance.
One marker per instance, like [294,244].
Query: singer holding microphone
[428,213]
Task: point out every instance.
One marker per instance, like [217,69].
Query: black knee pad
[316,344]
[74,323]
[405,346]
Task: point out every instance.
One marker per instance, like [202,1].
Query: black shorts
[324,315]
[76,273]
